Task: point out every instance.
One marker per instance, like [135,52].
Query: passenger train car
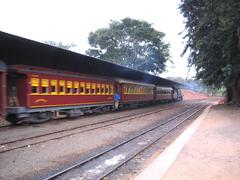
[35,94]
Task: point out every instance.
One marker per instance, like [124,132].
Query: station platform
[208,149]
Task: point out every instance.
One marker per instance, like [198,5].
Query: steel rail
[132,117]
[55,175]
[148,145]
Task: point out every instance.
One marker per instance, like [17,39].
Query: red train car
[135,92]
[164,93]
[35,93]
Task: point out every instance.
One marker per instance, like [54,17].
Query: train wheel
[40,117]
[13,119]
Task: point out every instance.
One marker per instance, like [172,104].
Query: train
[37,94]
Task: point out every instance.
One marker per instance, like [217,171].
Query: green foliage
[131,43]
[60,45]
[213,38]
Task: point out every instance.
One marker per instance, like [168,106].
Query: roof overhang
[18,50]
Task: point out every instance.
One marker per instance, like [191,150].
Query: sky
[71,21]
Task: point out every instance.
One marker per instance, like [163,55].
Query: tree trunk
[229,94]
[234,97]
[238,92]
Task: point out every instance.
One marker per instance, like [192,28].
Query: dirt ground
[191,95]
[3,122]
[34,160]
[213,152]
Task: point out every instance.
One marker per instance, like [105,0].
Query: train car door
[2,88]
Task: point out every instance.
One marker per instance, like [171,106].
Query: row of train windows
[69,87]
[163,92]
[137,90]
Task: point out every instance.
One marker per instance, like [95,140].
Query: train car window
[132,90]
[35,85]
[107,89]
[61,87]
[103,89]
[45,85]
[69,87]
[82,88]
[76,87]
[124,90]
[88,88]
[44,90]
[53,86]
[98,89]
[93,91]
[111,90]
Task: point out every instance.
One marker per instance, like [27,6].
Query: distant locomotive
[35,94]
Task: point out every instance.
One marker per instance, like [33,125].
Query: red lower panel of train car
[163,97]
[37,101]
[136,98]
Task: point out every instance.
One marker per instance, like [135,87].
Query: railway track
[5,126]
[59,134]
[104,163]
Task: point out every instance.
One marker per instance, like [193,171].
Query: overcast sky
[70,21]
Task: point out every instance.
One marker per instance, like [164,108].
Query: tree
[131,43]
[60,45]
[213,38]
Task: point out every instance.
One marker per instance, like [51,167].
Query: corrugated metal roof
[18,50]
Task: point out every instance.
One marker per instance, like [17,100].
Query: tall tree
[213,38]
[131,43]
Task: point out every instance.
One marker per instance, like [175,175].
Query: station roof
[17,50]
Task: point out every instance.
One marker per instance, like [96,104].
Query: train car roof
[133,82]
[55,72]
[18,50]
[163,88]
